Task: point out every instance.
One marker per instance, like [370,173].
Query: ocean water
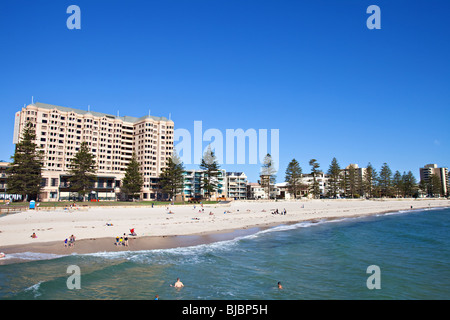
[323,260]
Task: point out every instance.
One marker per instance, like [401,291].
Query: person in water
[279,285]
[178,284]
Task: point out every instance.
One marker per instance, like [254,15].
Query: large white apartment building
[112,140]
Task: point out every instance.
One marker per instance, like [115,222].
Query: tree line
[352,182]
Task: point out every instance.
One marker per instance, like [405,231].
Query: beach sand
[174,226]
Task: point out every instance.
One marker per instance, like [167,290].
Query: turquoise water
[324,260]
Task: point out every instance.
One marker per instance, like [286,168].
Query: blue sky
[311,69]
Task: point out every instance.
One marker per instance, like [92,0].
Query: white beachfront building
[111,139]
[193,180]
[236,185]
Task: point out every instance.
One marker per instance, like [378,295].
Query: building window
[44,182]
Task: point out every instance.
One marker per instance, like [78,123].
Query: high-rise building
[432,169]
[111,139]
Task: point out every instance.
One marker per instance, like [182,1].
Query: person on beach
[71,242]
[34,236]
[65,243]
[125,240]
[178,284]
[117,240]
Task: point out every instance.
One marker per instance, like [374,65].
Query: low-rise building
[255,191]
[194,179]
[236,185]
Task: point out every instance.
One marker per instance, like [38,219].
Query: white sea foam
[32,256]
[109,254]
[34,289]
[191,253]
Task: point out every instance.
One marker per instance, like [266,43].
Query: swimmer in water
[178,284]
[279,285]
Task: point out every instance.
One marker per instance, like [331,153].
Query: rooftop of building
[235,174]
[97,114]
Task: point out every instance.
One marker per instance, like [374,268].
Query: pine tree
[352,182]
[133,181]
[314,171]
[369,181]
[171,178]
[333,182]
[409,184]
[82,171]
[434,186]
[397,183]
[211,168]
[385,180]
[24,174]
[267,175]
[293,175]
[423,187]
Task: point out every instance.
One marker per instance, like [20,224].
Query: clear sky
[311,69]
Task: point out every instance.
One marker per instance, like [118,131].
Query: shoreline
[212,231]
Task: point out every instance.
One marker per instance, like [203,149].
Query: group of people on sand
[277,212]
[122,241]
[69,242]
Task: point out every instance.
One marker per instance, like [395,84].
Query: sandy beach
[160,227]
